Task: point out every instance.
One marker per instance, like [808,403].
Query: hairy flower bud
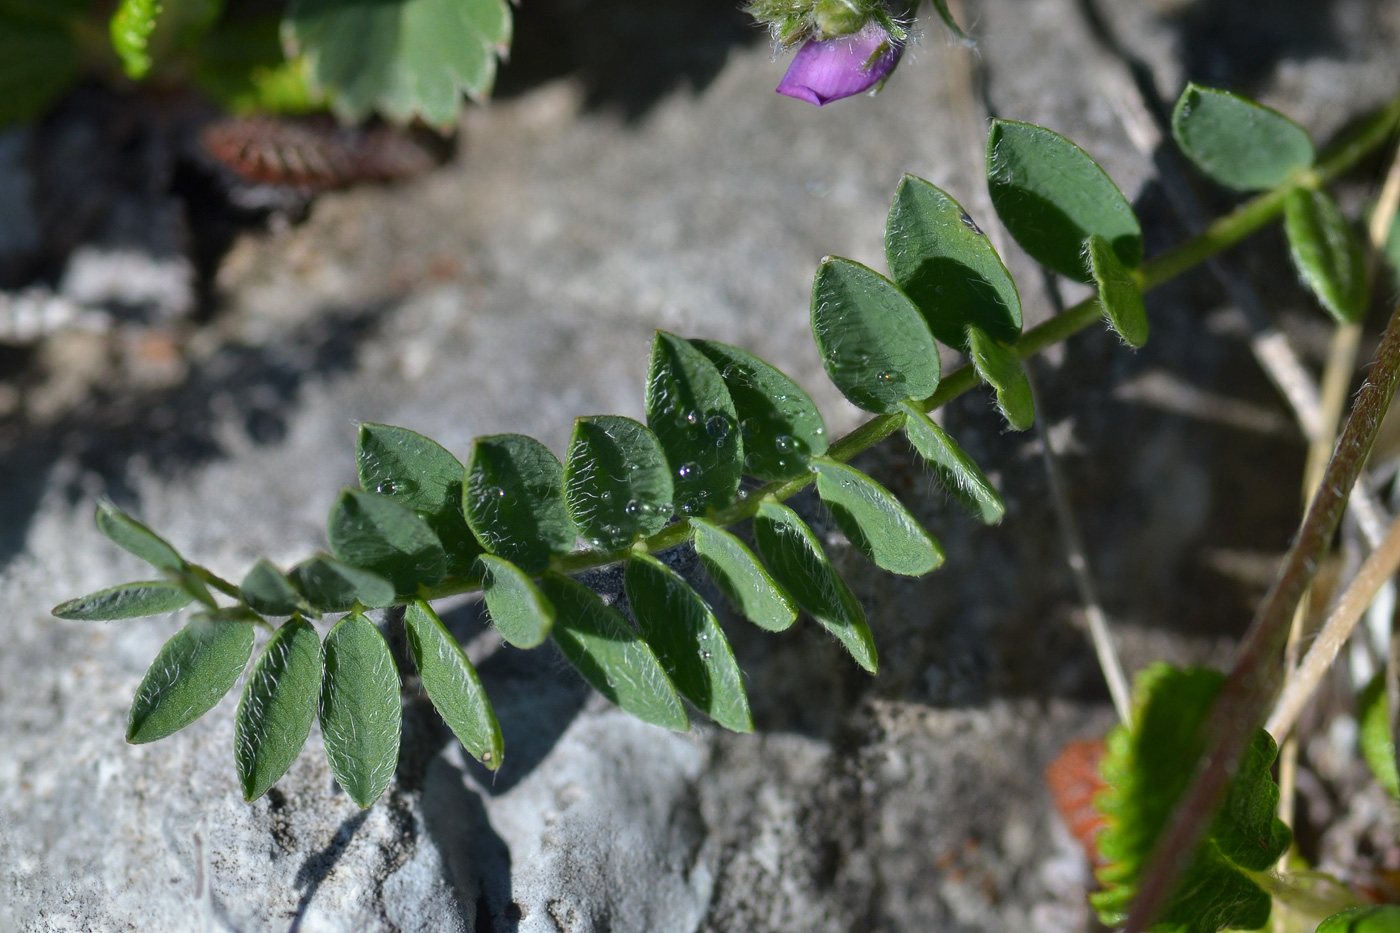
[836,18]
[830,69]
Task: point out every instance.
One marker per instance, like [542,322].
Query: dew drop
[688,469]
[785,443]
[717,427]
[887,376]
[693,417]
[747,427]
[633,507]
[705,655]
[750,463]
[742,494]
[387,488]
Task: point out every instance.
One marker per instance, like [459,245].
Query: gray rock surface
[516,289]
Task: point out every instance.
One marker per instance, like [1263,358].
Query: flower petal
[829,69]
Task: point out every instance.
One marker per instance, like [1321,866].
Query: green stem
[1227,231]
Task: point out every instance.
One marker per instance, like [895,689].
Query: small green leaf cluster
[407,60]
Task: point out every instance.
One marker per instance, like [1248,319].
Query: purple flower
[830,69]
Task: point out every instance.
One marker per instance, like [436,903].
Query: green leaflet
[1148,767]
[131,29]
[135,538]
[379,535]
[999,366]
[406,59]
[127,601]
[797,562]
[1236,142]
[875,345]
[875,522]
[419,473]
[190,675]
[1382,919]
[617,484]
[518,609]
[268,591]
[739,575]
[38,61]
[611,656]
[515,500]
[1052,196]
[683,631]
[277,708]
[332,586]
[692,415]
[453,685]
[1377,739]
[1119,294]
[1326,253]
[947,266]
[958,473]
[780,425]
[361,716]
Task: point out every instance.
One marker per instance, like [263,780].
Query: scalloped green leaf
[1001,368]
[1052,196]
[683,631]
[268,590]
[780,425]
[332,586]
[1327,253]
[453,685]
[956,471]
[797,562]
[38,58]
[515,500]
[1379,919]
[130,28]
[518,609]
[126,601]
[874,343]
[360,712]
[1237,142]
[610,655]
[739,575]
[617,484]
[692,415]
[418,472]
[947,266]
[1120,297]
[1377,738]
[277,707]
[378,534]
[135,538]
[1148,767]
[404,59]
[875,522]
[189,677]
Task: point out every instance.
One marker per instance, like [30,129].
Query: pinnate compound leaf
[999,366]
[418,472]
[1237,142]
[277,708]
[1119,293]
[515,500]
[947,266]
[780,425]
[683,631]
[617,484]
[1148,767]
[797,562]
[404,59]
[131,28]
[453,685]
[740,576]
[875,345]
[1379,919]
[332,586]
[875,522]
[268,591]
[191,674]
[361,716]
[518,609]
[380,535]
[1377,739]
[610,655]
[127,601]
[692,415]
[1052,196]
[135,538]
[1326,253]
[958,472]
[38,60]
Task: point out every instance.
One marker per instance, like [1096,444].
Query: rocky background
[636,171]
